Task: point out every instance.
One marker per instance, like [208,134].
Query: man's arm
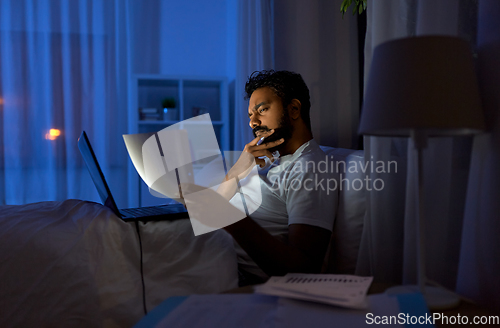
[304,251]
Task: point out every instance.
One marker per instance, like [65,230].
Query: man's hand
[251,154]
[246,163]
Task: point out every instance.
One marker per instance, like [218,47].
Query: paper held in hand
[341,290]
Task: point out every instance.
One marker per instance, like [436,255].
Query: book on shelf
[148,110]
[150,114]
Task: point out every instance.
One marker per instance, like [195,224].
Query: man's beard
[284,130]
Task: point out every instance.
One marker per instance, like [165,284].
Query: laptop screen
[96,173]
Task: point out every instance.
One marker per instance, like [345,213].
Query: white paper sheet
[342,290]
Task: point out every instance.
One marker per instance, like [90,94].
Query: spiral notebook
[341,290]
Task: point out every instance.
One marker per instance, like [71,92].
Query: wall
[192,37]
[312,39]
[184,38]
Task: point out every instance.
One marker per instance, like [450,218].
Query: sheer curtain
[455,249]
[480,249]
[255,52]
[63,69]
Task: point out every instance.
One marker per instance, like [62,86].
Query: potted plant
[169,112]
[168,102]
[359,6]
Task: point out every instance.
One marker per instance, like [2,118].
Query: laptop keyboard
[150,211]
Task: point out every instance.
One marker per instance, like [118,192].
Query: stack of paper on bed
[342,290]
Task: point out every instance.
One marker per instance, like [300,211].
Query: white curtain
[480,249]
[63,66]
[455,248]
[255,52]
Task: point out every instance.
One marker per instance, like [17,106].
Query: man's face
[266,112]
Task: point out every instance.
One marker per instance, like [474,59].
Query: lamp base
[436,298]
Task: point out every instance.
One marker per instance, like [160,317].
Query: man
[291,229]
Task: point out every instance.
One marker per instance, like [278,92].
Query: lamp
[422,87]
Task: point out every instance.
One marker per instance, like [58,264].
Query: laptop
[150,213]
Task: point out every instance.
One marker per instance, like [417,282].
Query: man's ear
[294,109]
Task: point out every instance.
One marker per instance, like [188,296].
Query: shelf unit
[191,93]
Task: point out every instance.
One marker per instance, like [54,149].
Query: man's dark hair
[287,85]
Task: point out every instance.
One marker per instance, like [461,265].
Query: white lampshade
[422,83]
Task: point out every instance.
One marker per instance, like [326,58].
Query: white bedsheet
[75,264]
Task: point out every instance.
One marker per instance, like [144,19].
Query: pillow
[348,225]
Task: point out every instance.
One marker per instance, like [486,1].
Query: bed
[75,264]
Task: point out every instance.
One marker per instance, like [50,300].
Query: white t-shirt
[295,189]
